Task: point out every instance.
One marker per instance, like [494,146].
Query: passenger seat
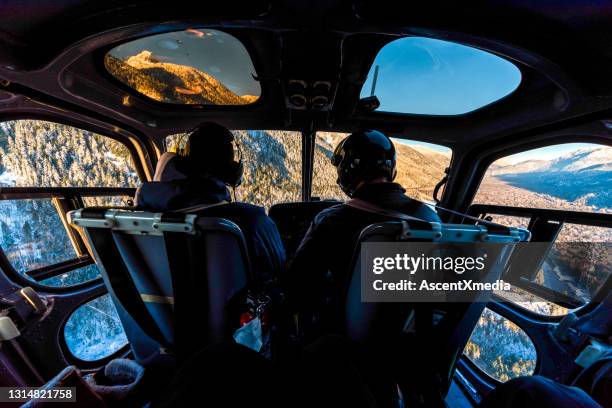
[176,279]
[420,343]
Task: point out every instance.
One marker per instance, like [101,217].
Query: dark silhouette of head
[211,150]
[364,156]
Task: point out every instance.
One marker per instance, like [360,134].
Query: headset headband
[233,175]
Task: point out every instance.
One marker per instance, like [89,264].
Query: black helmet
[364,156]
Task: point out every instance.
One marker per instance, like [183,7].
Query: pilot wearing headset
[196,179]
[366,163]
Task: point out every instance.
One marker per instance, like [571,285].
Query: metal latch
[8,329]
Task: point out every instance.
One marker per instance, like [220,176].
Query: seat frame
[157,310]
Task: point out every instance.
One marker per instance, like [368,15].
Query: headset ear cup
[239,173]
[235,173]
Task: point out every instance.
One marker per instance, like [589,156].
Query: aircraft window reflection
[73,277]
[196,66]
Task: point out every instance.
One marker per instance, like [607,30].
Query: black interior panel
[294,219]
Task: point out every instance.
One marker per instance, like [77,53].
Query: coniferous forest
[43,154]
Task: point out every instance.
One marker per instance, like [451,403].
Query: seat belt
[497,227]
[373,208]
[199,207]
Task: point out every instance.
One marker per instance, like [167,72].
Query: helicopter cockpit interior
[132,274]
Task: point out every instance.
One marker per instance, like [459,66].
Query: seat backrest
[438,331]
[168,168]
[177,279]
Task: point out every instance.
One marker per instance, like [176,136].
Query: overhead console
[310,82]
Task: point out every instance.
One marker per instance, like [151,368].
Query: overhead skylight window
[191,67]
[424,76]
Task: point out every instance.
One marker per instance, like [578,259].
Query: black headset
[234,172]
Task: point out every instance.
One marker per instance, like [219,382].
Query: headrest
[169,168]
[147,223]
[132,222]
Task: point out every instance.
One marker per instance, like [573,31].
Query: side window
[36,153]
[33,235]
[93,331]
[272,165]
[573,176]
[39,154]
[511,355]
[324,174]
[579,263]
[570,177]
[420,166]
[108,201]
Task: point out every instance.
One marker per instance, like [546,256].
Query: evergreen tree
[7,235]
[26,232]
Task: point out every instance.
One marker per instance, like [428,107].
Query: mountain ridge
[173,83]
[581,176]
[584,159]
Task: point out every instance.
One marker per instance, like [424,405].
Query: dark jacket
[263,241]
[323,259]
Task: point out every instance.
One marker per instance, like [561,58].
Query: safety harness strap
[373,208]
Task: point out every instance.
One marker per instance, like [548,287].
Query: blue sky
[548,152]
[434,77]
[544,153]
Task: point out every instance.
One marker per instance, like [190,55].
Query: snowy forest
[43,154]
[500,348]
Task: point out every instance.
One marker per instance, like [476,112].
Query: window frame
[308,154]
[245,40]
[524,75]
[484,158]
[488,380]
[563,216]
[67,353]
[130,141]
[538,327]
[480,158]
[73,200]
[69,265]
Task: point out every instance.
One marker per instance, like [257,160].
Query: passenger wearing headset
[210,163]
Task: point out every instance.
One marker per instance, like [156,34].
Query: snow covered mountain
[585,159]
[583,176]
